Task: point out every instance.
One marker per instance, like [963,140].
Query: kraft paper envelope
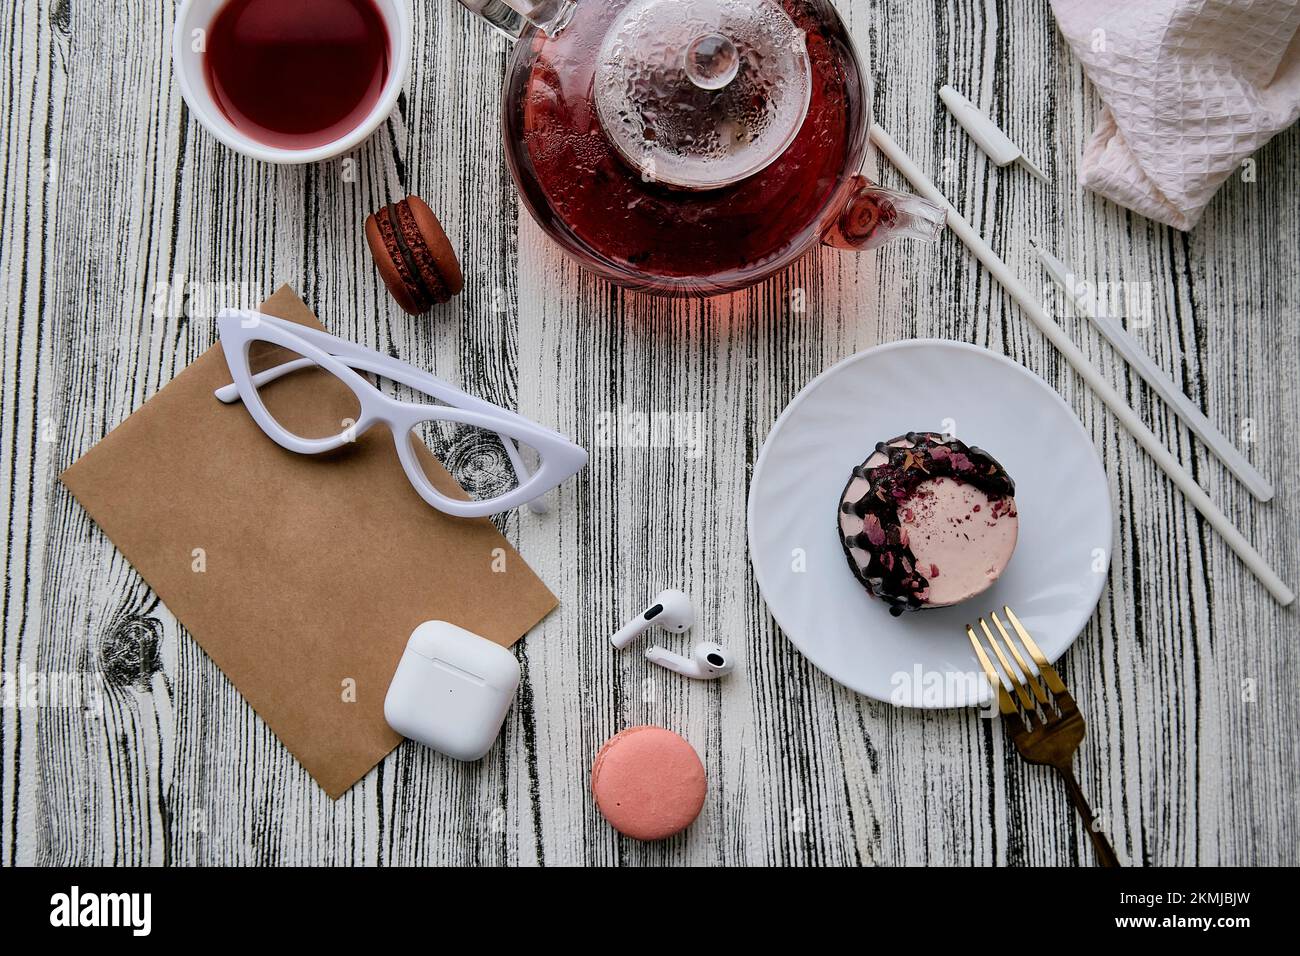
[301,576]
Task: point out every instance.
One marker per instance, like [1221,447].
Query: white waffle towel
[1191,88]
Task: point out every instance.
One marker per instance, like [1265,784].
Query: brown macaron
[414,256]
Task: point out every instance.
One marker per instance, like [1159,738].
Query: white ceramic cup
[197,15]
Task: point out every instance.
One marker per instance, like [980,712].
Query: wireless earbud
[708,661]
[671,610]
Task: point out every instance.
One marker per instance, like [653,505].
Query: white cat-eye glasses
[240,330]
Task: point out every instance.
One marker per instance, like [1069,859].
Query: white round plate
[923,658]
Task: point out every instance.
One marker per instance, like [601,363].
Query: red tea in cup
[296,74]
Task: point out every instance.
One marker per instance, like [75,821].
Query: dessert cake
[927,521]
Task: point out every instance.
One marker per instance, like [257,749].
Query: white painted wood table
[123,224]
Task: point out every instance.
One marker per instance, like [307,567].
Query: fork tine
[1024,668]
[1047,670]
[1005,704]
[1026,701]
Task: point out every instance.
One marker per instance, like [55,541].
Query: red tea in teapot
[648,224]
[297,73]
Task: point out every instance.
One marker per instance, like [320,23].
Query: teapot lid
[703,93]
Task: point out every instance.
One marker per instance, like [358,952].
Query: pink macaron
[648,783]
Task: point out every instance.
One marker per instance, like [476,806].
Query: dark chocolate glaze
[891,573]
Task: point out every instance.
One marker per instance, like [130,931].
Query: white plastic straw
[1164,386]
[1114,401]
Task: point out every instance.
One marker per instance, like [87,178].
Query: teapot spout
[873,215]
[512,16]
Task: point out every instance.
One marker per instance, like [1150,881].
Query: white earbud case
[451,690]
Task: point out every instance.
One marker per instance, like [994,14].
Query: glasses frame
[561,459]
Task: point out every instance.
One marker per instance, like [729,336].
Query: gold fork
[1046,728]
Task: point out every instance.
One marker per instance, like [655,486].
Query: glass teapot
[693,147]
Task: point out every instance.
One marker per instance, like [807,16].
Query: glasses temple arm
[229,394]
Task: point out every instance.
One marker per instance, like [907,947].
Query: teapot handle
[511,16]
[873,215]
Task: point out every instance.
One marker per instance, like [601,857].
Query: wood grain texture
[123,225]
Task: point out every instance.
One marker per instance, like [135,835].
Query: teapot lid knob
[712,61]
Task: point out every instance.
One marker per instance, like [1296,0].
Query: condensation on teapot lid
[703,93]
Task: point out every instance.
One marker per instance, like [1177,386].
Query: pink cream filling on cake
[962,540]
